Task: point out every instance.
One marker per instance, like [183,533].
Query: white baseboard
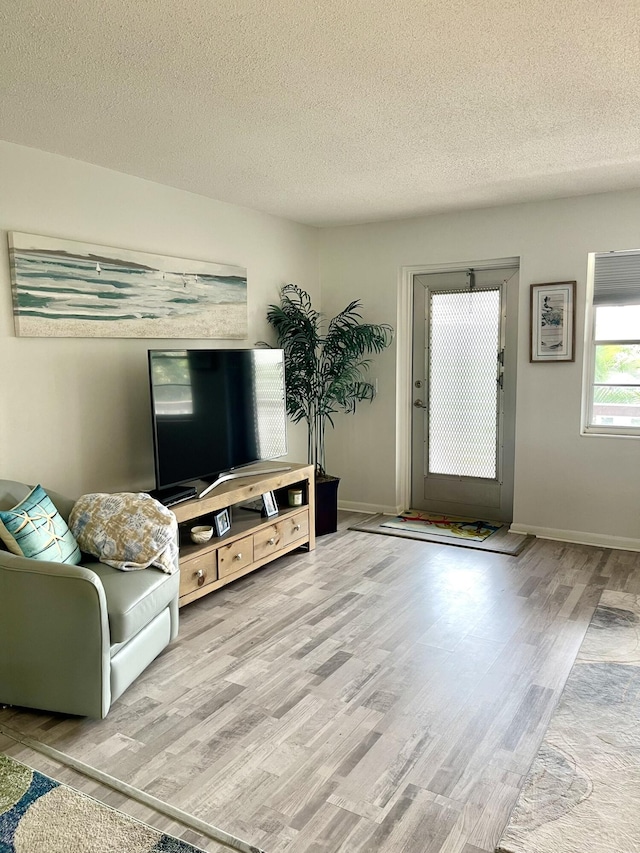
[369,509]
[580,537]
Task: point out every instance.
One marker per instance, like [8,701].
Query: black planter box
[327,505]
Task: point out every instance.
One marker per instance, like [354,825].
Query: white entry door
[464,393]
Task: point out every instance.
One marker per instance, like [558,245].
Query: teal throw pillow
[34,528]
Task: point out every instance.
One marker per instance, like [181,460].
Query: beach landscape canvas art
[65,288]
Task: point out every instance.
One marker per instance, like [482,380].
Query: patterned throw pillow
[34,528]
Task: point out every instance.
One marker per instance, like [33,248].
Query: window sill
[607,432]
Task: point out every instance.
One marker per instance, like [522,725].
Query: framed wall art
[64,288]
[553,314]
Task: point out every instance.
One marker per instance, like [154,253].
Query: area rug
[40,815]
[445,525]
[500,542]
[583,790]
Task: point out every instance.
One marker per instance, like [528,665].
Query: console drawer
[296,526]
[280,534]
[198,572]
[235,556]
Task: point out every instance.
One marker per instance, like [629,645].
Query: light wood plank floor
[379,694]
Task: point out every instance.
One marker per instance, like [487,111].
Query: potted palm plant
[325,368]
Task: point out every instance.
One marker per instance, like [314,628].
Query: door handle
[418,404]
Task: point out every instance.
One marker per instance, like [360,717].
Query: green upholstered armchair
[73,638]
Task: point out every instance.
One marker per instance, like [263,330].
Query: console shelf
[253,541]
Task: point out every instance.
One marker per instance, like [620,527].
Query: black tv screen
[215,410]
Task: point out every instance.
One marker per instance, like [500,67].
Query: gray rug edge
[586,656]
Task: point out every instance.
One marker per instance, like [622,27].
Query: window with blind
[614,403]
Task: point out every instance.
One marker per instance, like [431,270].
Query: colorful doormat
[455,526]
[40,815]
[582,794]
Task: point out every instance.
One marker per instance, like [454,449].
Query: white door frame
[404,366]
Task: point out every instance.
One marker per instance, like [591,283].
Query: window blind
[617,278]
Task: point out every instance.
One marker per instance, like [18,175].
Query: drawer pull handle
[271,541]
[296,527]
[238,556]
[200,575]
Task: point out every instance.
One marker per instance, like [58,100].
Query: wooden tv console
[253,541]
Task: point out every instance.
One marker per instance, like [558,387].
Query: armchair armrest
[54,637]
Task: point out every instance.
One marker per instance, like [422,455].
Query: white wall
[74,412]
[568,486]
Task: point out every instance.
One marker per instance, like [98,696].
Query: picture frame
[269,505]
[222,522]
[553,319]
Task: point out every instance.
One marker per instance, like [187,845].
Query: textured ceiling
[334,111]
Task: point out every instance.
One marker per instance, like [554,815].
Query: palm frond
[324,370]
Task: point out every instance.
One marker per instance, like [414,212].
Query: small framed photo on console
[222,522]
[269,505]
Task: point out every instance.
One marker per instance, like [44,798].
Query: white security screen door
[459,394]
[464,343]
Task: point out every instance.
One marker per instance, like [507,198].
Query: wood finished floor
[378,694]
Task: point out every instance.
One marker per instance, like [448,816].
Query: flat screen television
[214,411]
